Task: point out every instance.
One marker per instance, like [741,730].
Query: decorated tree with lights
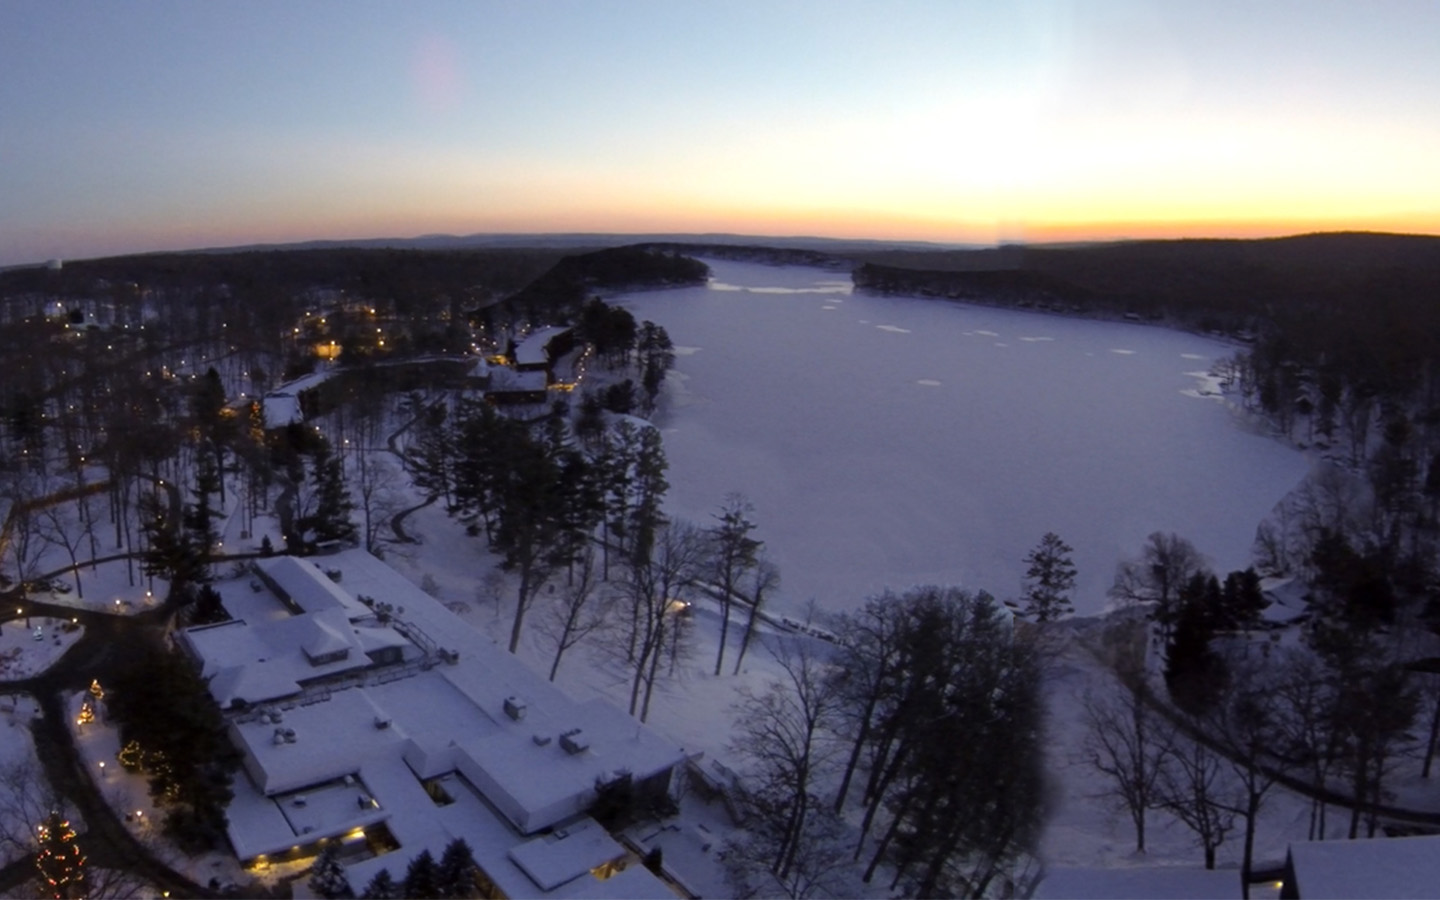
[59,860]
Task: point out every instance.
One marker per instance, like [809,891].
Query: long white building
[367,712]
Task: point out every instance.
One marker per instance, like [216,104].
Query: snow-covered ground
[891,441]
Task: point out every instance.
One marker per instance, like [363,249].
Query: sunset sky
[170,125]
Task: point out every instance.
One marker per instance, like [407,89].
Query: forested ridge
[1360,302]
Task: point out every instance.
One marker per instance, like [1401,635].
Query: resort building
[367,712]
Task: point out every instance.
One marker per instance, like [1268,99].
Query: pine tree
[331,519]
[1194,673]
[1049,579]
[327,876]
[382,887]
[170,553]
[59,860]
[422,878]
[456,872]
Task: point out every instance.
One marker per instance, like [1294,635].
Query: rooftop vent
[541,740]
[382,723]
[574,741]
[300,800]
[515,708]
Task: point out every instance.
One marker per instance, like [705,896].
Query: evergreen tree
[590,424]
[327,876]
[199,516]
[432,457]
[170,552]
[422,878]
[216,423]
[331,519]
[382,887]
[161,704]
[457,870]
[657,355]
[620,397]
[1195,673]
[649,488]
[1049,579]
[208,608]
[1241,601]
[60,863]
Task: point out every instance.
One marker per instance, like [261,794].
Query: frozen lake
[887,442]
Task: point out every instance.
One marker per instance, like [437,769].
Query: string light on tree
[87,714]
[59,861]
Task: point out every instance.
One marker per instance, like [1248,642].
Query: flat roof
[566,853]
[1399,868]
[395,726]
[269,660]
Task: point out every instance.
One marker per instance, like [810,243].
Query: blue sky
[156,125]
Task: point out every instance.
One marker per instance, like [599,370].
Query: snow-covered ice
[1103,433]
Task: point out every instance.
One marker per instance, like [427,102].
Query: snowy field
[887,442]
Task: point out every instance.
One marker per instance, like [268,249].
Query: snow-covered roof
[1139,883]
[305,382]
[503,380]
[281,409]
[325,640]
[1286,598]
[446,723]
[1400,868]
[309,588]
[566,853]
[531,351]
[273,659]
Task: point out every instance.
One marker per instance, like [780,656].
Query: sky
[153,125]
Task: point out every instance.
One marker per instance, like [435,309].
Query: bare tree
[732,554]
[25,800]
[1192,788]
[783,737]
[23,540]
[1167,561]
[1127,743]
[869,658]
[821,868]
[57,531]
[1304,697]
[765,577]
[579,610]
[656,583]
[378,500]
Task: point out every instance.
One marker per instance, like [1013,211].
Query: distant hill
[1365,303]
[597,241]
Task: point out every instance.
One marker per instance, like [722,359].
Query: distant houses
[369,714]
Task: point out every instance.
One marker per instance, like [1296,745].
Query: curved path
[109,642]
